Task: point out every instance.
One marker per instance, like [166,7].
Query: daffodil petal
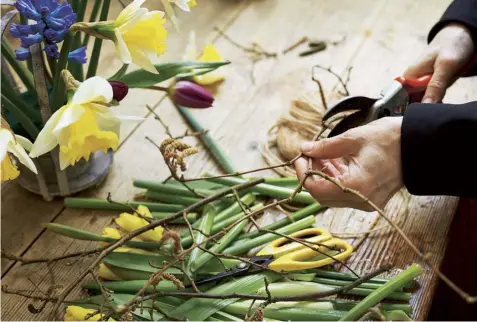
[19,152]
[132,20]
[122,49]
[94,89]
[106,273]
[144,211]
[5,138]
[107,120]
[141,59]
[70,115]
[78,313]
[129,11]
[24,142]
[183,4]
[46,140]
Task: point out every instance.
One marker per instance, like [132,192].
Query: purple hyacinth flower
[55,36]
[70,19]
[20,30]
[62,10]
[78,55]
[55,23]
[189,94]
[22,54]
[26,9]
[52,50]
[49,4]
[27,41]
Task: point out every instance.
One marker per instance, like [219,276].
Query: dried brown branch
[255,49]
[329,70]
[26,261]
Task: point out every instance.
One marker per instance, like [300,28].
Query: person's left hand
[366,158]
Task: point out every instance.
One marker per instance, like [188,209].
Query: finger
[327,167]
[318,187]
[424,65]
[339,146]
[444,71]
[343,203]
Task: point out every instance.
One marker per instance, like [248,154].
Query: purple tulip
[120,90]
[188,94]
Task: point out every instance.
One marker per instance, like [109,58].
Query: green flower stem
[22,72]
[186,241]
[397,315]
[240,248]
[283,182]
[21,117]
[59,86]
[15,99]
[266,189]
[92,18]
[170,189]
[192,217]
[98,42]
[120,73]
[331,282]
[344,276]
[103,204]
[302,213]
[226,240]
[381,293]
[77,68]
[342,305]
[219,155]
[170,198]
[234,209]
[205,228]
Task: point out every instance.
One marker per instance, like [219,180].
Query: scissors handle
[300,259]
[282,245]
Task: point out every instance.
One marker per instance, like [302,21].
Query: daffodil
[106,273]
[185,5]
[11,144]
[138,34]
[209,53]
[84,125]
[78,313]
[116,234]
[132,222]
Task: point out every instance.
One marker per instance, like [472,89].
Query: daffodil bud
[120,90]
[188,94]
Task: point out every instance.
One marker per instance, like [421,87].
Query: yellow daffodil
[15,145]
[78,313]
[209,53]
[84,125]
[106,273]
[185,5]
[115,234]
[138,34]
[132,222]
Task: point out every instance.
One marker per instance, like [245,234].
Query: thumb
[331,148]
[440,81]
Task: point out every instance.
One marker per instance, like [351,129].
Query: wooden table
[382,38]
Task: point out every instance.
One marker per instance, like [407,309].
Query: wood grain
[382,38]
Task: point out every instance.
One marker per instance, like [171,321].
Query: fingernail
[428,100]
[307,146]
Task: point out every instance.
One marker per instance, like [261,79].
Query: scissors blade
[349,122]
[348,104]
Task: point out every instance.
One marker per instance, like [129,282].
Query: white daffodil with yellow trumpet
[13,145]
[84,125]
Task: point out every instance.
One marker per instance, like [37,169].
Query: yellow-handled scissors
[284,254]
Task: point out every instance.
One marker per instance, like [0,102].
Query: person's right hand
[450,50]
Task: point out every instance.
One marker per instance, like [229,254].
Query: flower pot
[79,177]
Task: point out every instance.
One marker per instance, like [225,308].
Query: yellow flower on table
[138,34]
[209,53]
[116,234]
[132,222]
[84,125]
[11,144]
[78,313]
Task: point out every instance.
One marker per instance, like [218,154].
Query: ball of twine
[302,122]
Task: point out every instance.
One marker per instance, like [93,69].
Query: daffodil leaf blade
[141,78]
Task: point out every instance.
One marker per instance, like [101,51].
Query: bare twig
[329,70]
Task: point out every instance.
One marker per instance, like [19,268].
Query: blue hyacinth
[53,21]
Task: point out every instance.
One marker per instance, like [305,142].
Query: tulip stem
[158,88]
[98,42]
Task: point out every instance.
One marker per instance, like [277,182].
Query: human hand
[365,158]
[450,50]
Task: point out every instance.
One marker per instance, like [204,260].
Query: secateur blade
[362,104]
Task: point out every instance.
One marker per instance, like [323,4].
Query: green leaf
[133,261]
[142,78]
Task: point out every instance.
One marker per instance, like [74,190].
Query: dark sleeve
[465,13]
[439,149]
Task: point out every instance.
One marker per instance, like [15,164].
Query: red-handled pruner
[393,102]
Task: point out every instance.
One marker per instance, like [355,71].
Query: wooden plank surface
[378,48]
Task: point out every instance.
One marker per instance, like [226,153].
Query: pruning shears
[283,254]
[393,102]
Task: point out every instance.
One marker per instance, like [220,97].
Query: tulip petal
[46,140]
[94,89]
[122,49]
[19,152]
[141,59]
[5,138]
